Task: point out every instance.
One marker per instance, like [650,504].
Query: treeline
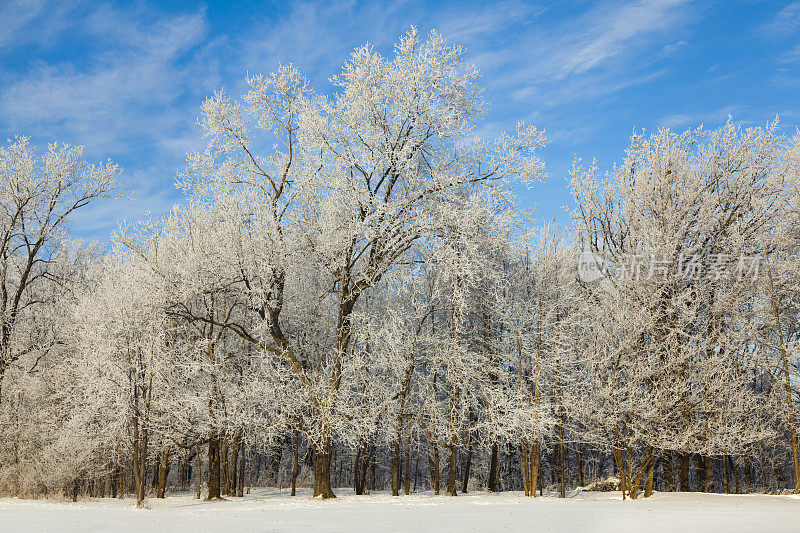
[349,296]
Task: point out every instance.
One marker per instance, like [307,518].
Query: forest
[349,296]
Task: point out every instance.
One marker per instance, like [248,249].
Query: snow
[270,510]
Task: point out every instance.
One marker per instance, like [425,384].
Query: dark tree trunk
[748,474]
[467,467]
[237,441]
[494,470]
[199,469]
[240,490]
[561,465]
[579,466]
[708,473]
[407,480]
[433,465]
[163,473]
[295,461]
[648,484]
[156,468]
[214,489]
[535,459]
[121,482]
[361,466]
[725,483]
[525,467]
[734,472]
[396,460]
[372,467]
[538,475]
[224,468]
[322,471]
[684,472]
[416,469]
[185,471]
[452,463]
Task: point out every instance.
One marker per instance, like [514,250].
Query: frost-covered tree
[38,195]
[677,225]
[353,184]
[120,360]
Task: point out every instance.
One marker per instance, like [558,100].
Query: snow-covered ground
[270,510]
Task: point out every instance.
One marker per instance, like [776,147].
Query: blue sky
[126,79]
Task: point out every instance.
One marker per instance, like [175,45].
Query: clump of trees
[348,295]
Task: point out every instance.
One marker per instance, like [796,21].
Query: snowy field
[269,510]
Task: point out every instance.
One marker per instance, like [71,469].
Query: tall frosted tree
[354,183]
[38,195]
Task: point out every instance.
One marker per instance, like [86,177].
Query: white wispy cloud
[713,117]
[16,17]
[790,56]
[124,96]
[611,32]
[136,68]
[786,21]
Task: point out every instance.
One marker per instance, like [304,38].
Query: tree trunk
[295,461]
[214,489]
[224,470]
[361,466]
[372,467]
[467,467]
[708,473]
[163,473]
[725,474]
[683,471]
[156,469]
[250,468]
[648,484]
[407,481]
[199,469]
[452,463]
[416,469]
[748,474]
[494,469]
[120,482]
[322,471]
[535,458]
[139,463]
[396,459]
[538,476]
[184,471]
[114,482]
[240,489]
[433,463]
[525,466]
[237,441]
[335,471]
[561,466]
